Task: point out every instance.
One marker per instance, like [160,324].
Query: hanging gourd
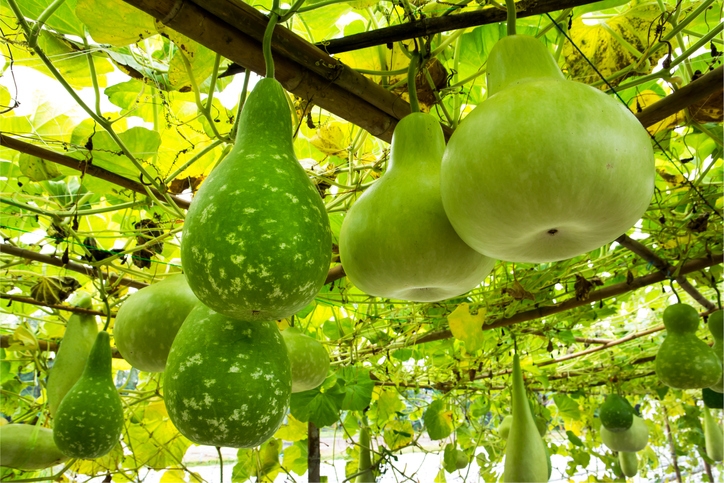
[616,413]
[632,440]
[256,241]
[525,453]
[684,361]
[396,241]
[716,327]
[545,169]
[713,437]
[629,463]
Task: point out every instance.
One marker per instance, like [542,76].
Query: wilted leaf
[468,328]
[37,169]
[53,290]
[438,420]
[584,286]
[518,292]
[330,139]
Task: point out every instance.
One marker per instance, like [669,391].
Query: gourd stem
[411,87]
[510,5]
[266,42]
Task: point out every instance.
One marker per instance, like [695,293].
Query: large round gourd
[396,240]
[545,169]
[149,319]
[28,447]
[227,382]
[308,357]
[256,241]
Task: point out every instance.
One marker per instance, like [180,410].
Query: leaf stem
[411,87]
[44,16]
[510,5]
[267,41]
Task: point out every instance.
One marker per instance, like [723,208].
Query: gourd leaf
[468,328]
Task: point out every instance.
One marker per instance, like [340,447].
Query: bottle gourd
[28,447]
[525,453]
[256,241]
[89,420]
[366,475]
[716,327]
[629,463]
[713,437]
[545,169]
[227,382]
[308,357]
[80,334]
[148,321]
[632,440]
[616,413]
[396,241]
[684,361]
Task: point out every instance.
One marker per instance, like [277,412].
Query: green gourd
[713,437]
[89,420]
[525,454]
[256,241]
[227,382]
[308,357]
[148,321]
[629,463]
[616,413]
[712,399]
[504,428]
[396,241]
[632,440]
[28,447]
[80,334]
[684,361]
[461,459]
[546,168]
[366,475]
[716,327]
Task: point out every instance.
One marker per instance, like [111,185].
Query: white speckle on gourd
[249,211]
[208,211]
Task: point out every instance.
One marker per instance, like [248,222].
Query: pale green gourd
[629,463]
[80,334]
[396,241]
[28,447]
[525,454]
[716,327]
[684,361]
[309,359]
[616,413]
[89,420]
[632,440]
[366,475]
[713,437]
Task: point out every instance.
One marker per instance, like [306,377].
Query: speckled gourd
[149,319]
[629,463]
[28,447]
[616,413]
[632,440]
[716,327]
[308,357]
[713,437]
[227,382]
[684,361]
[396,241]
[256,241]
[525,453]
[89,420]
[80,334]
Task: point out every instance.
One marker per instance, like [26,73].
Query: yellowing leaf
[330,139]
[173,476]
[645,99]
[129,25]
[294,430]
[120,365]
[467,328]
[24,338]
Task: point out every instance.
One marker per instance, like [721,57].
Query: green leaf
[295,457]
[398,434]
[293,430]
[574,439]
[388,404]
[245,466]
[321,408]
[357,388]
[438,420]
[63,19]
[37,169]
[468,328]
[449,458]
[129,25]
[567,407]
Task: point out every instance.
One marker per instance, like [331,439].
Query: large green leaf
[357,388]
[321,408]
[438,420]
[129,24]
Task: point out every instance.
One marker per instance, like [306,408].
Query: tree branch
[67,308]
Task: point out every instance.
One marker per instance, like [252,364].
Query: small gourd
[684,361]
[28,447]
[396,241]
[366,474]
[632,440]
[256,241]
[616,413]
[89,420]
[525,453]
[80,334]
[308,357]
[716,327]
[629,463]
[713,437]
[148,321]
[227,382]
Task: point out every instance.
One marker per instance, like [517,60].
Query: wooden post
[313,458]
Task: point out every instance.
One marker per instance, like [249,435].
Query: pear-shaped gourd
[629,463]
[716,327]
[396,240]
[366,474]
[149,319]
[684,361]
[80,334]
[713,437]
[256,241]
[545,169]
[632,440]
[616,413]
[28,447]
[89,420]
[525,453]
[308,357]
[227,382]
